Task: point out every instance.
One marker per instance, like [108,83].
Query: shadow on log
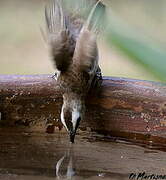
[124,108]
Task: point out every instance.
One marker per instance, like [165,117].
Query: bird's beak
[72,136]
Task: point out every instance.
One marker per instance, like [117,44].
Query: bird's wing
[67,27]
[86,52]
[59,38]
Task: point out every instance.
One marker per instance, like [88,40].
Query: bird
[72,28]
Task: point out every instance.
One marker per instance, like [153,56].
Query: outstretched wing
[61,43]
[86,51]
[66,26]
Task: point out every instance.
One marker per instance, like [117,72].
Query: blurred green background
[134,44]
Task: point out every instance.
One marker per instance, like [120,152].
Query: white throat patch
[62,119]
[75,116]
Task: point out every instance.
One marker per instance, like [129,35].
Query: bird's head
[72,113]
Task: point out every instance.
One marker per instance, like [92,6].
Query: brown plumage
[73,48]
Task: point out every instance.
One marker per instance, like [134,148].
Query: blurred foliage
[135,45]
[23,50]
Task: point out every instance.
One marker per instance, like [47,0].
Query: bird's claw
[55,76]
[97,81]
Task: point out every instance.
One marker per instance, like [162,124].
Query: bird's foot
[54,76]
[97,81]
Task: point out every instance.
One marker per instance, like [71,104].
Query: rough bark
[126,108]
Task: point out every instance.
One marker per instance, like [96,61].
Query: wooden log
[126,108]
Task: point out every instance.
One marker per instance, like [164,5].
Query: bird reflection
[65,166]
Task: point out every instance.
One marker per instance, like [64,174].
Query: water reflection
[65,167]
[48,157]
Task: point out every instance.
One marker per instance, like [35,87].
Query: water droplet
[101,174]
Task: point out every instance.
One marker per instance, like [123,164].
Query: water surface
[33,156]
